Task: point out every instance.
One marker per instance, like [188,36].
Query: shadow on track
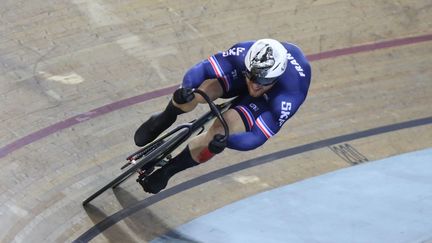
[115,234]
[145,224]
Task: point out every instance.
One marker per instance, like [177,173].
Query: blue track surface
[389,200]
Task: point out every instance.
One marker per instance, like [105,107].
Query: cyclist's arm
[268,123]
[256,137]
[218,66]
[197,74]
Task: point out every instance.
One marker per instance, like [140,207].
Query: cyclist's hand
[183,96]
[218,144]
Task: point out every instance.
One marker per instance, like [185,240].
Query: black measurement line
[122,214]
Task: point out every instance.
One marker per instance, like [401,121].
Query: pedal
[146,172]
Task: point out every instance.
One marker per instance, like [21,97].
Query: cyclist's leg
[194,154]
[159,122]
[239,119]
[198,146]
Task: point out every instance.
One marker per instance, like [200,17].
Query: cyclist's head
[265,61]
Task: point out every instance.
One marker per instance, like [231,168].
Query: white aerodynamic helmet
[265,61]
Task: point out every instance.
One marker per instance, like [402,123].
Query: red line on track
[21,142]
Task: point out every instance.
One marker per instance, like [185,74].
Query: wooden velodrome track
[78,77]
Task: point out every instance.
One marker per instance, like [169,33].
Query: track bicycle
[158,152]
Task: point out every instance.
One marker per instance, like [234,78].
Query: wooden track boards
[60,59]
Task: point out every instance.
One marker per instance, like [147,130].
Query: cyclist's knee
[186,107]
[212,88]
[216,128]
[233,120]
[184,99]
[199,99]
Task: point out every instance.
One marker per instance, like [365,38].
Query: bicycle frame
[181,132]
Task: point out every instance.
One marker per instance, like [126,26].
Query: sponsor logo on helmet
[264,58]
[262,61]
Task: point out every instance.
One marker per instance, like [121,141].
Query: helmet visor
[259,80]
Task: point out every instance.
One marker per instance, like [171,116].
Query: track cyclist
[269,80]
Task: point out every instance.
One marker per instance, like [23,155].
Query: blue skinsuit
[264,116]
